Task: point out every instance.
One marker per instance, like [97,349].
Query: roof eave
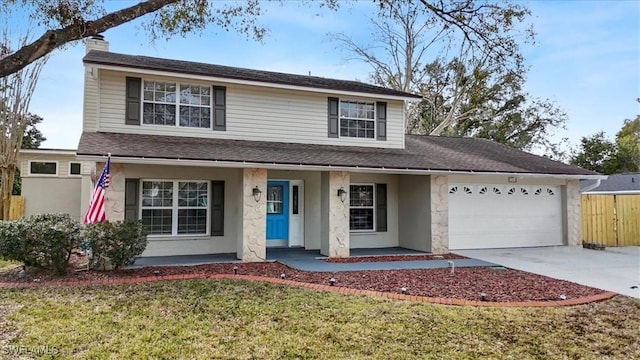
[319,167]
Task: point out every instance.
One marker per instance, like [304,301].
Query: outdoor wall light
[403,290]
[235,270]
[332,281]
[342,194]
[483,296]
[257,194]
[283,276]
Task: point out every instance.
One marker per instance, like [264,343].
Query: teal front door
[278,212]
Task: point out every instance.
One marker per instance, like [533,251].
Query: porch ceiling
[427,153]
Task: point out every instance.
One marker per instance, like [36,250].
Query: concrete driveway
[614,269]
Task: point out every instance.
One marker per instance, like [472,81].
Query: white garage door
[497,216]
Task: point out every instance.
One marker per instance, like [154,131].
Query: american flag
[96,212]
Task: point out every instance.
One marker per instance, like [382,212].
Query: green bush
[119,242]
[49,240]
[44,240]
[12,244]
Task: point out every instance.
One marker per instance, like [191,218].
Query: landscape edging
[337,289]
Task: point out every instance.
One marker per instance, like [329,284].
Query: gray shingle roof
[617,182]
[421,153]
[228,72]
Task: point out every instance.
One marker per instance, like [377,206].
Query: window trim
[177,104]
[44,161]
[374,120]
[373,207]
[175,208]
[69,170]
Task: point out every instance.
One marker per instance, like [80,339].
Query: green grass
[205,319]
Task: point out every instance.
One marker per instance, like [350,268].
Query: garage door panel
[498,215]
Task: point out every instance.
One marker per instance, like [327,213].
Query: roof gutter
[247,82]
[360,169]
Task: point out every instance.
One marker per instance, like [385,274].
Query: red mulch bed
[355,259]
[498,284]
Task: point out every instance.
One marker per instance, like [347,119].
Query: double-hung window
[357,119]
[362,207]
[174,104]
[175,207]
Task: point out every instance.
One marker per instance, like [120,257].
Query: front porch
[312,260]
[250,212]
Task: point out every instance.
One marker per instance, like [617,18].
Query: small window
[483,190]
[538,191]
[453,190]
[74,168]
[497,191]
[550,192]
[43,168]
[511,191]
[524,191]
[467,190]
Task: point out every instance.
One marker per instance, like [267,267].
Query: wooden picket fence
[17,207]
[611,220]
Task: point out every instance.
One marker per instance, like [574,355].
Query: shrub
[44,240]
[49,240]
[12,244]
[119,242]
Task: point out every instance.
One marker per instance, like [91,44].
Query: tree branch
[53,39]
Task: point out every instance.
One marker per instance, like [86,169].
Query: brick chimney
[96,42]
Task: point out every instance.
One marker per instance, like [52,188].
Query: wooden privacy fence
[612,220]
[16,211]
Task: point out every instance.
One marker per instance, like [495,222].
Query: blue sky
[587,60]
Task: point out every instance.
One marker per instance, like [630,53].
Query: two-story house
[217,159]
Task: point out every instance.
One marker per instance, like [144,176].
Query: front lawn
[231,319]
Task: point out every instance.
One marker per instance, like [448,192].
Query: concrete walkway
[323,266]
[614,269]
[311,260]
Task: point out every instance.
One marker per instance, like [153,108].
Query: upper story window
[357,119]
[43,167]
[169,103]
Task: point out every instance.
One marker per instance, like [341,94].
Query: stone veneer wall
[252,245]
[439,214]
[114,197]
[574,229]
[338,223]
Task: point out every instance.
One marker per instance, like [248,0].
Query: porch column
[439,214]
[335,214]
[573,221]
[252,244]
[114,196]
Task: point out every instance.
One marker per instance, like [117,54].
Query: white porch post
[439,214]
[335,222]
[252,244]
[573,223]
